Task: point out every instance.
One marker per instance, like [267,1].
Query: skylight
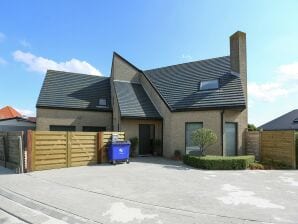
[209,84]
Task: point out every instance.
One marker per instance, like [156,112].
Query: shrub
[274,164]
[134,143]
[219,162]
[177,153]
[203,138]
[256,166]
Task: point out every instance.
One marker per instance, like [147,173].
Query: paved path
[150,190]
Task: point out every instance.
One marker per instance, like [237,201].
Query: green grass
[219,162]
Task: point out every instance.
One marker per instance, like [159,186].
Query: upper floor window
[102,102]
[209,84]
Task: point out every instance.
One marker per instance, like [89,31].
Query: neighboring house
[9,112]
[165,104]
[12,120]
[288,121]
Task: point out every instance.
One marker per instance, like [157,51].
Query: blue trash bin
[119,152]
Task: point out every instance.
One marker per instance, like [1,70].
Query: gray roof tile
[133,101]
[284,122]
[73,90]
[179,85]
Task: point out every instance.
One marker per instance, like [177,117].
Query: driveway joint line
[44,204]
[147,204]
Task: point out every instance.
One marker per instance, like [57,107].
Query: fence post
[260,146]
[21,160]
[99,151]
[68,149]
[29,151]
[294,151]
[5,144]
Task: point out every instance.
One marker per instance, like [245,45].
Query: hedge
[219,162]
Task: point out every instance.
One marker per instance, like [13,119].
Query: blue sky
[81,36]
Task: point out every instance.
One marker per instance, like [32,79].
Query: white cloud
[267,91]
[2,37]
[288,71]
[284,83]
[25,43]
[186,57]
[41,64]
[26,112]
[2,61]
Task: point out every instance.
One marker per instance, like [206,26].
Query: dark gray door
[146,138]
[230,139]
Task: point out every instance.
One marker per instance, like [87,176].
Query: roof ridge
[203,60]
[75,73]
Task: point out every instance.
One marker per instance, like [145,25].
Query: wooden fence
[253,143]
[279,146]
[12,151]
[58,149]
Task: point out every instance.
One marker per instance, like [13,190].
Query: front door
[230,139]
[146,138]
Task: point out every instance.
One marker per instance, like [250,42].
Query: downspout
[222,131]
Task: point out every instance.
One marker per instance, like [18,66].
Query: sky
[80,36]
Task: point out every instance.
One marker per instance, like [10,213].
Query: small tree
[203,138]
[252,127]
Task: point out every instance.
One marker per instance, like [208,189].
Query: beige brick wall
[241,119]
[47,117]
[131,128]
[116,109]
[123,71]
[210,119]
[164,112]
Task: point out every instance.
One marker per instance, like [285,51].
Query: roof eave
[141,118]
[239,107]
[72,108]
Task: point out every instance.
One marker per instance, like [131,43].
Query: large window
[62,128]
[230,139]
[190,148]
[93,128]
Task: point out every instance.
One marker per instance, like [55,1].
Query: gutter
[222,131]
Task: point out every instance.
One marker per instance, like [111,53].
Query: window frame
[210,80]
[68,126]
[236,137]
[99,127]
[185,131]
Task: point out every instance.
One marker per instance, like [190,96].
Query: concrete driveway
[148,190]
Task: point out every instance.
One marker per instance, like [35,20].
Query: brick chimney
[238,57]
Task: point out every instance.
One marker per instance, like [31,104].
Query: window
[102,102]
[295,120]
[93,128]
[209,84]
[62,128]
[190,148]
[230,140]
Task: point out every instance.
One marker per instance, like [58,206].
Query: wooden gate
[58,149]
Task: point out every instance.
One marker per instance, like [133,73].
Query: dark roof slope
[178,85]
[74,91]
[133,101]
[284,122]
